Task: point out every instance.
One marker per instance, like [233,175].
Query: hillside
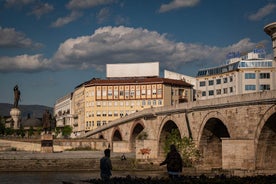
[33,110]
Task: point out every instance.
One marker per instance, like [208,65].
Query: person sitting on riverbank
[106,166]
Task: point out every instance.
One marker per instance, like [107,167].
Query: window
[264,75]
[121,113]
[159,91]
[126,94]
[218,81]
[231,90]
[132,93]
[159,102]
[250,76]
[211,82]
[143,92]
[115,113]
[211,92]
[250,87]
[98,123]
[264,87]
[225,91]
[225,80]
[104,93]
[143,102]
[203,93]
[98,113]
[116,93]
[218,91]
[149,102]
[121,93]
[231,79]
[202,83]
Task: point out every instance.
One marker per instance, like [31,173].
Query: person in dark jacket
[106,166]
[174,162]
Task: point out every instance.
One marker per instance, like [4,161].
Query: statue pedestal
[47,145]
[15,114]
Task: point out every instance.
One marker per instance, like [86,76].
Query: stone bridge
[237,132]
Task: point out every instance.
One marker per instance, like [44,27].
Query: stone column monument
[270,29]
[47,138]
[15,112]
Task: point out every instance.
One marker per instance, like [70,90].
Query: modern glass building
[242,74]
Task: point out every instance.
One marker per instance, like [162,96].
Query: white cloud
[10,38]
[262,12]
[126,45]
[24,63]
[66,20]
[41,9]
[83,4]
[121,44]
[103,15]
[176,4]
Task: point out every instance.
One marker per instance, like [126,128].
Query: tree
[66,131]
[186,147]
[31,131]
[20,131]
[9,131]
[2,126]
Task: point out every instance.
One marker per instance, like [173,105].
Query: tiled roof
[133,81]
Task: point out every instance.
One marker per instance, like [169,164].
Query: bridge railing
[235,100]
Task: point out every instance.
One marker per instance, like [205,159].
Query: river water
[73,177]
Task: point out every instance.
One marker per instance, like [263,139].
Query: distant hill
[35,111]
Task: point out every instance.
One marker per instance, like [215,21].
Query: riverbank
[69,161]
[88,161]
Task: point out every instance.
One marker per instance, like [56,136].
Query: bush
[186,147]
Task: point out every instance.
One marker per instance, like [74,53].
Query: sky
[48,47]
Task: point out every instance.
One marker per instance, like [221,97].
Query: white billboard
[132,70]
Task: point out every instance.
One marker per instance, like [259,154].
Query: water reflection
[74,177]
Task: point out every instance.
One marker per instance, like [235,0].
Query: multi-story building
[62,111]
[249,73]
[109,99]
[99,101]
[128,88]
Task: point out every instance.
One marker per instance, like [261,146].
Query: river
[59,177]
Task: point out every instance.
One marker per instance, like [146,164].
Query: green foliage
[20,131]
[9,131]
[31,131]
[66,131]
[142,136]
[186,147]
[2,126]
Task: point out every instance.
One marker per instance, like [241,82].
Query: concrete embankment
[68,161]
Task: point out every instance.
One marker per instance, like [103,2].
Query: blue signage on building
[231,55]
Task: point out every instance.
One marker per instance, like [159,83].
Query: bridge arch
[265,140]
[137,127]
[116,136]
[101,136]
[166,128]
[210,143]
[207,117]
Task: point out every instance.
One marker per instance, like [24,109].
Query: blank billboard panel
[132,70]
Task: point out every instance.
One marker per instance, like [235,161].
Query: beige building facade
[99,101]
